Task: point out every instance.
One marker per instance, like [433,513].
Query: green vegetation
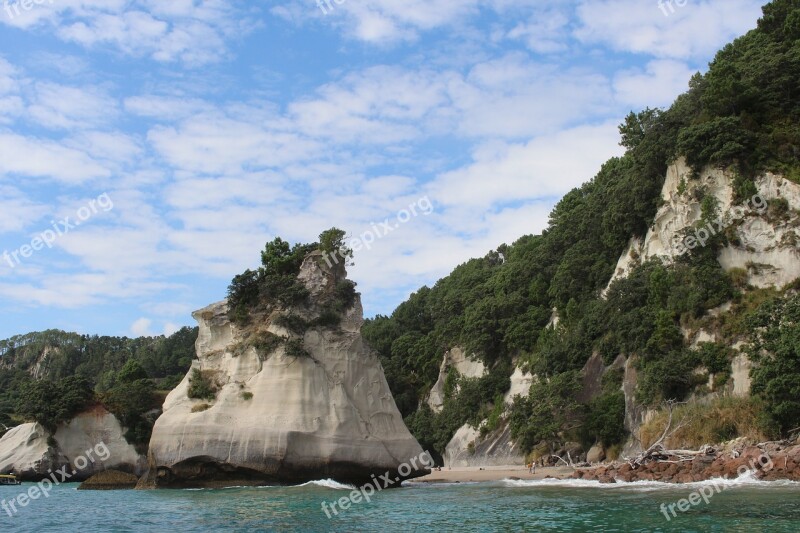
[201,387]
[275,285]
[51,403]
[78,371]
[720,420]
[132,401]
[274,282]
[775,337]
[742,115]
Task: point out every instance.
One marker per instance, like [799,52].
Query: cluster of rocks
[768,462]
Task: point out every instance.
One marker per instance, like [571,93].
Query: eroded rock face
[278,418]
[766,247]
[458,360]
[90,443]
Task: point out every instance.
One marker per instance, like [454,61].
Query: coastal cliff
[31,452]
[289,404]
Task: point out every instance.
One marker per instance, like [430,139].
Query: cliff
[289,406]
[91,442]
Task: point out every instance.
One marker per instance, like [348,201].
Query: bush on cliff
[201,387]
[52,403]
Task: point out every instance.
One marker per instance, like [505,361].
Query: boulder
[110,480]
[596,454]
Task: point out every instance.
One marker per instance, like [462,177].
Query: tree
[775,337]
[331,242]
[51,404]
[132,371]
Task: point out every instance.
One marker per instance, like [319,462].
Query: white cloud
[543,167]
[45,158]
[696,30]
[658,86]
[57,106]
[193,32]
[170,328]
[141,328]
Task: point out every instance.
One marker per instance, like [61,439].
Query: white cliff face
[767,249]
[90,443]
[520,385]
[468,448]
[24,451]
[278,418]
[456,359]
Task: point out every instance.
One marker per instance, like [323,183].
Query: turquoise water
[484,507]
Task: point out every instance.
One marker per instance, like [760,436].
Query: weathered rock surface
[766,248]
[467,448]
[277,418]
[458,360]
[90,443]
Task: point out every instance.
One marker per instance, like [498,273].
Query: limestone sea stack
[292,403]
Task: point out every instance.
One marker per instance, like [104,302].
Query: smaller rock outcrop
[110,480]
[91,442]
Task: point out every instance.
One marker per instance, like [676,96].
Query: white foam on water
[747,479]
[328,484]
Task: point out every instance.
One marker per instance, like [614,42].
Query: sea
[744,505]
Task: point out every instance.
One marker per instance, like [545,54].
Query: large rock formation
[90,443]
[281,418]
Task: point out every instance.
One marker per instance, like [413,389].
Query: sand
[493,473]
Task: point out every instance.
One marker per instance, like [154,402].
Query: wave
[324,483]
[747,479]
[328,484]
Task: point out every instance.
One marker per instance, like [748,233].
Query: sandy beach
[493,473]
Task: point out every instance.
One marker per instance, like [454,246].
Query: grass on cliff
[721,420]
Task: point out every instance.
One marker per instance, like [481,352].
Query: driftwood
[658,450]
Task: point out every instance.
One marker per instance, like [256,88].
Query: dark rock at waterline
[771,462]
[110,480]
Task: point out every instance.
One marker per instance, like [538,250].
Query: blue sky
[149,149]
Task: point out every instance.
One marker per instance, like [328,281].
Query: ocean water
[744,506]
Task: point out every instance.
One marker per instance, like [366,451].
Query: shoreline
[476,474]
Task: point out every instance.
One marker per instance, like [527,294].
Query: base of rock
[197,473]
[110,480]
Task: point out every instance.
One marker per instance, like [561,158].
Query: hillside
[50,376]
[542,306]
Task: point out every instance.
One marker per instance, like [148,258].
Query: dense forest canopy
[743,115]
[50,376]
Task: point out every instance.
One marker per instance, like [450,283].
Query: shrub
[294,323]
[201,407]
[201,387]
[721,420]
[246,396]
[266,343]
[296,348]
[130,402]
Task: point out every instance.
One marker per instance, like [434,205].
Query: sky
[150,148]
